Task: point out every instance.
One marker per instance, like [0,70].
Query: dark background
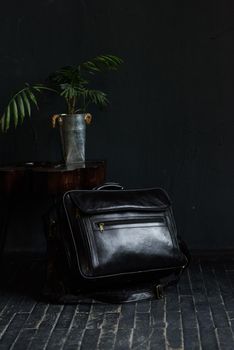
[170,122]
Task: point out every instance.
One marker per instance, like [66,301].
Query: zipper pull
[101,226]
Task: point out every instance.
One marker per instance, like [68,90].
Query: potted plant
[72,83]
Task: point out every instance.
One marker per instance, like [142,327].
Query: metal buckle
[159,291]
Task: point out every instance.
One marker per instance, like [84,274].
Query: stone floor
[196,314]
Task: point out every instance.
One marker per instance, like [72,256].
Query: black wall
[170,122]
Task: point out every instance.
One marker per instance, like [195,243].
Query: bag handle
[109,186]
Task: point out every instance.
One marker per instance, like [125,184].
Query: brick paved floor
[196,314]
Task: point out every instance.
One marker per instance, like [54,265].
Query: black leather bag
[119,245]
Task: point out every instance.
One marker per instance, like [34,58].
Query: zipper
[101,226]
[107,224]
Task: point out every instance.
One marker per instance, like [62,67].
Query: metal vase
[73,136]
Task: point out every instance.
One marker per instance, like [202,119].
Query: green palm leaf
[8,116]
[32,97]
[27,103]
[5,120]
[102,63]
[15,112]
[94,96]
[21,107]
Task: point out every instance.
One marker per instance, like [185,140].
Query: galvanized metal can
[73,136]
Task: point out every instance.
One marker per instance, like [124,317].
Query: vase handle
[88,118]
[54,118]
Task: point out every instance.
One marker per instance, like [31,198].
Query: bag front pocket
[130,244]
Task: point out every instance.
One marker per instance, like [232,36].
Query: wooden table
[54,179]
[44,180]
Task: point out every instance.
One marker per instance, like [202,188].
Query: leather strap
[175,277]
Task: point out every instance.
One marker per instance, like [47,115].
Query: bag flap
[95,202]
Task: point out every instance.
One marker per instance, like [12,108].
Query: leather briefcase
[117,245]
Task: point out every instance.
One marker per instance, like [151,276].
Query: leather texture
[120,237]
[103,201]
